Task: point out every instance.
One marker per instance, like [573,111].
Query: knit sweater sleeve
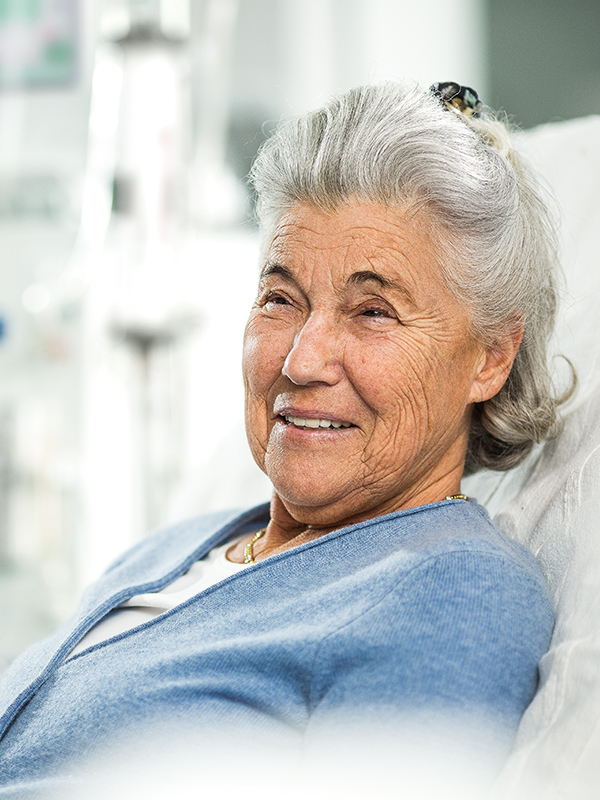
[450,651]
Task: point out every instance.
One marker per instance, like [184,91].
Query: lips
[314,422]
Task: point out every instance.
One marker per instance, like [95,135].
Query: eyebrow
[356,279]
[272,268]
[365,276]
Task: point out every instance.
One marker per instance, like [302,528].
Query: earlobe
[496,363]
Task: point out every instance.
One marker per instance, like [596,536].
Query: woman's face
[359,367]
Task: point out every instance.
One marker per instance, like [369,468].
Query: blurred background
[127,249]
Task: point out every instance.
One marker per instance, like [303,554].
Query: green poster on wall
[38,42]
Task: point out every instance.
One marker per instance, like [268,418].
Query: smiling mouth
[301,422]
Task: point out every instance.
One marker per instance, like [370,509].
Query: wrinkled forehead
[356,235]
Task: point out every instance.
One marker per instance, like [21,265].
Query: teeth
[299,422]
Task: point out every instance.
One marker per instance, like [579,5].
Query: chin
[305,486]
[305,502]
[321,509]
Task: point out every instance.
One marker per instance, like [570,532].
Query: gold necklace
[456,497]
[249,548]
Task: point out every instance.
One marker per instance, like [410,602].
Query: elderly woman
[399,333]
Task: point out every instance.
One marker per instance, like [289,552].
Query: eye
[276,302]
[376,312]
[275,298]
[379,311]
[278,299]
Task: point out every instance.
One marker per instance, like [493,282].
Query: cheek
[390,374]
[264,353]
[411,386]
[263,356]
[253,356]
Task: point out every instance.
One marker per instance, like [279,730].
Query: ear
[495,365]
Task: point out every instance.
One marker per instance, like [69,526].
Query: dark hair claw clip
[457,97]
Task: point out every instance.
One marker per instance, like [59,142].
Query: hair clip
[458,98]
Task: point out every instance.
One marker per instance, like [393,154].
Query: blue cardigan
[428,609]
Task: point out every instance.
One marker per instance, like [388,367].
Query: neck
[290,526]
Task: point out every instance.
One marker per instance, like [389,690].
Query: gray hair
[399,146]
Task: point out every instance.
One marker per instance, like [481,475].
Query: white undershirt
[211,569]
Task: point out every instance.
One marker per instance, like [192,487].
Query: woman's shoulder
[467,526]
[455,526]
[453,550]
[452,589]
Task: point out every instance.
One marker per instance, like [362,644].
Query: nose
[315,353]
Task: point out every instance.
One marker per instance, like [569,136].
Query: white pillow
[552,502]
